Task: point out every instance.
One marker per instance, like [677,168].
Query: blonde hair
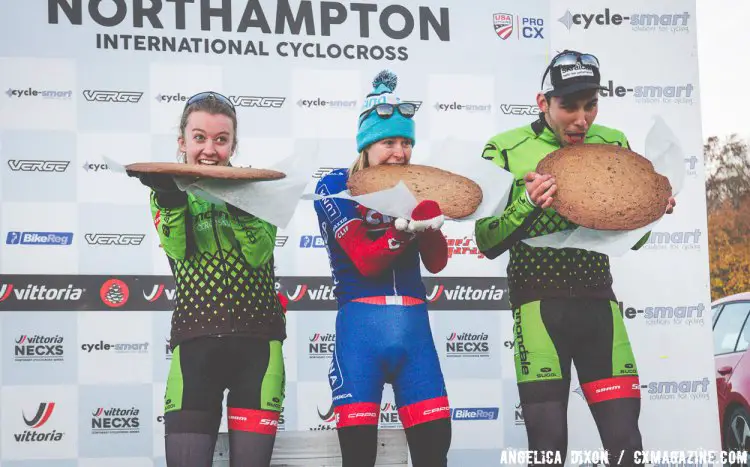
[362,162]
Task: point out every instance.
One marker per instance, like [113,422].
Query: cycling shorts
[204,367]
[378,344]
[551,334]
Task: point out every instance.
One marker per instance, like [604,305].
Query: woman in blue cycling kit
[382,328]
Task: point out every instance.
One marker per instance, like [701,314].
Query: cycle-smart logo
[39,238]
[688,240]
[320,103]
[469,107]
[33,93]
[261,102]
[638,21]
[651,93]
[666,315]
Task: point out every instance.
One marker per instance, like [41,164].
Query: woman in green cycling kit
[228,324]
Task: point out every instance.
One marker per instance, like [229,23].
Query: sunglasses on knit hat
[201,96]
[569,72]
[406,109]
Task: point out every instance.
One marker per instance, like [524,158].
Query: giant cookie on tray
[606,187]
[208,171]
[457,196]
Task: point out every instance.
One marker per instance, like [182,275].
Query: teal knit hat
[373,128]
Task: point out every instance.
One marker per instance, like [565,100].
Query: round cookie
[207,171]
[457,196]
[606,187]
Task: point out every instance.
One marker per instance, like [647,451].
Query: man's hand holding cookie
[670,206]
[539,189]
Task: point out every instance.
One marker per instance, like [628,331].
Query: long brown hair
[213,107]
[362,162]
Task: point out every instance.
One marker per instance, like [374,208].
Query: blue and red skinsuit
[382,328]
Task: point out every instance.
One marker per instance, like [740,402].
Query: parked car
[731,332]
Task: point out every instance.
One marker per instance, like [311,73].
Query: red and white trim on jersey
[360,413]
[612,388]
[255,421]
[424,411]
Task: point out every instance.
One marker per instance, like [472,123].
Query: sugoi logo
[464,293]
[669,22]
[157,291]
[519,109]
[321,345]
[651,93]
[42,416]
[459,107]
[93,167]
[39,348]
[464,247]
[667,315]
[262,102]
[467,345]
[311,241]
[281,240]
[115,421]
[118,97]
[323,171]
[114,239]
[40,292]
[123,347]
[114,293]
[529,28]
[332,103]
[687,240]
[474,414]
[36,165]
[44,94]
[39,238]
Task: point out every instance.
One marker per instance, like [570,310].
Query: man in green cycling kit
[564,308]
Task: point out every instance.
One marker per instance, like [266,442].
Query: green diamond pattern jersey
[223,267]
[537,273]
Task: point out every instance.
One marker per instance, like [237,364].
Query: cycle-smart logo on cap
[39,238]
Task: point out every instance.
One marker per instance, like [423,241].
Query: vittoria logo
[115,420]
[37,432]
[159,291]
[39,348]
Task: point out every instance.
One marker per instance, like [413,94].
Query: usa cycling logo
[33,434]
[528,27]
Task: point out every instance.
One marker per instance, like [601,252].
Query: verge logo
[39,348]
[640,22]
[39,238]
[114,239]
[44,94]
[35,165]
[475,414]
[261,102]
[114,421]
[281,240]
[118,97]
[323,171]
[519,109]
[33,435]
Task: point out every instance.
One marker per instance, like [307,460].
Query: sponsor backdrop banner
[86,291]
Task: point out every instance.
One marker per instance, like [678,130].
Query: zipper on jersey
[395,291]
[223,266]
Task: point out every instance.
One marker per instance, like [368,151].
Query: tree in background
[728,203]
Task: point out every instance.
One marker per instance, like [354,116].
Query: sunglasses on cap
[406,109]
[201,96]
[571,58]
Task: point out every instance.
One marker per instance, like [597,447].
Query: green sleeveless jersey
[223,266]
[537,273]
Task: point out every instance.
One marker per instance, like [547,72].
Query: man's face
[570,117]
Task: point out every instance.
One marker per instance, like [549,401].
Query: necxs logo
[34,165]
[119,97]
